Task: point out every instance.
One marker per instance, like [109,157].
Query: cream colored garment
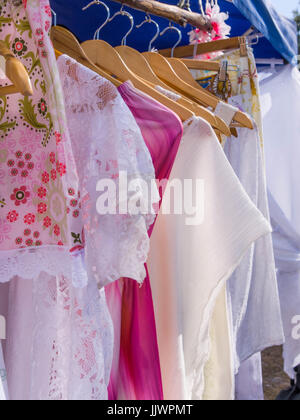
[189,265]
[219,370]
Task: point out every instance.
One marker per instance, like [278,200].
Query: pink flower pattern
[35,170]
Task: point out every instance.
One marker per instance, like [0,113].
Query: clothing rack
[173,13]
[205,48]
[272,62]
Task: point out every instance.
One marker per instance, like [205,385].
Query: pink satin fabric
[136,373]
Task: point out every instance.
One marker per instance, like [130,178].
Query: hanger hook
[100,3]
[123,12]
[148,19]
[173,28]
[185,4]
[251,42]
[54,17]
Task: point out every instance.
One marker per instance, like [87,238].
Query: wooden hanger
[106,57]
[209,47]
[140,66]
[195,64]
[183,72]
[65,42]
[16,73]
[164,71]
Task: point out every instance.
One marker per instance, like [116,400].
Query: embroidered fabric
[35,175]
[110,153]
[66,337]
[28,263]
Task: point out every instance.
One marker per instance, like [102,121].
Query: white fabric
[226,112]
[280,102]
[59,340]
[252,289]
[189,264]
[219,370]
[3,381]
[249,380]
[280,95]
[107,141]
[20,262]
[286,247]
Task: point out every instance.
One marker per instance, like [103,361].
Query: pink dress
[136,373]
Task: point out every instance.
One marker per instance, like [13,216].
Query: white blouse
[189,265]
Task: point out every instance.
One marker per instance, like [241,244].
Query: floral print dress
[38,184]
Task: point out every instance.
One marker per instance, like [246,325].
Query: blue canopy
[280,33]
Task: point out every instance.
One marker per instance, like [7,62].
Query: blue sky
[286,6]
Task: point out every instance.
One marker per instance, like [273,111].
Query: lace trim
[29,263]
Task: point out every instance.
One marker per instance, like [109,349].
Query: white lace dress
[59,342]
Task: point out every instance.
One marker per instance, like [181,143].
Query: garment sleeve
[116,176]
[121,193]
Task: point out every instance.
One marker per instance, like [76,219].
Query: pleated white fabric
[219,370]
